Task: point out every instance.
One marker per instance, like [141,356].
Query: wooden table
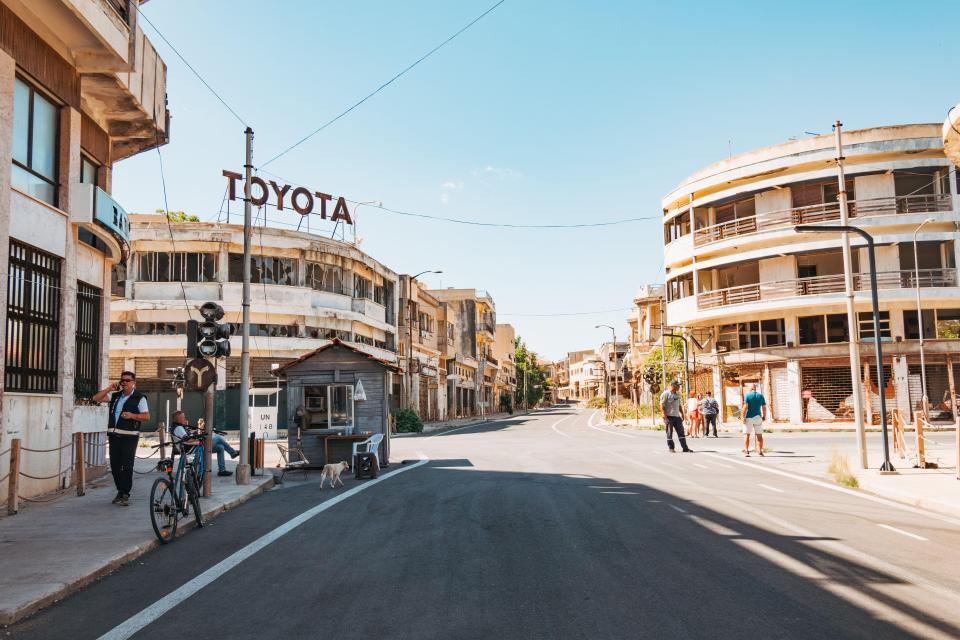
[360,437]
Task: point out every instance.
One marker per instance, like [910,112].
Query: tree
[532,378]
[673,355]
[180,216]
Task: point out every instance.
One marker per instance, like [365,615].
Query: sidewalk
[53,549]
[457,423]
[808,452]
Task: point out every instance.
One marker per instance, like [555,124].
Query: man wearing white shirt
[128,408]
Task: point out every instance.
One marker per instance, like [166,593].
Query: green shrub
[840,470]
[407,421]
[599,402]
[626,410]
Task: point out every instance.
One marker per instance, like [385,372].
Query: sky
[554,112]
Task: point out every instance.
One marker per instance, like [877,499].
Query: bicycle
[173,495]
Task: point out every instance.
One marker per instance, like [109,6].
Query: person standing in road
[128,408]
[754,412]
[693,414]
[672,418]
[709,408]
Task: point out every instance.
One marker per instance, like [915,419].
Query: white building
[767,303]
[306,289]
[81,88]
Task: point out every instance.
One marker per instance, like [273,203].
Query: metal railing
[819,285]
[821,213]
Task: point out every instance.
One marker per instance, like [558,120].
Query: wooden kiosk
[342,394]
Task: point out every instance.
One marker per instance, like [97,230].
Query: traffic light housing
[209,338]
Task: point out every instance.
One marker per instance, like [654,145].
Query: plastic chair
[290,464]
[370,445]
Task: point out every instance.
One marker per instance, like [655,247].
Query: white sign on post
[263,422]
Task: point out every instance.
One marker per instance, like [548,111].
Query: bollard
[13,482]
[162,429]
[79,469]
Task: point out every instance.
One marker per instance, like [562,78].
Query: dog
[332,472]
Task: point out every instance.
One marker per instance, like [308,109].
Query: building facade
[617,369]
[586,375]
[645,324]
[305,290]
[81,88]
[759,302]
[468,317]
[504,351]
[420,339]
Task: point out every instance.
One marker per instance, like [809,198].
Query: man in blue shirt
[754,412]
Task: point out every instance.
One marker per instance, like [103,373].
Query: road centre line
[554,425]
[167,603]
[826,485]
[902,532]
[616,433]
[702,466]
[766,486]
[672,466]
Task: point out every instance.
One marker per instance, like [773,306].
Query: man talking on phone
[128,408]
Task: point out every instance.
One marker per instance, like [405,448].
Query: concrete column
[105,325]
[901,388]
[69,168]
[8,68]
[794,386]
[221,374]
[718,393]
[955,199]
[791,330]
[768,390]
[223,264]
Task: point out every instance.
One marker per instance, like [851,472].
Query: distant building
[420,326]
[81,88]
[506,377]
[761,303]
[586,375]
[645,331]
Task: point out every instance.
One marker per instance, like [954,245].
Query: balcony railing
[821,213]
[819,285]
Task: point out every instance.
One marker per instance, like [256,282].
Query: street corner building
[306,290]
[81,87]
[766,304]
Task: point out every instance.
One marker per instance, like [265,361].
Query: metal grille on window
[827,394]
[938,390]
[88,340]
[33,320]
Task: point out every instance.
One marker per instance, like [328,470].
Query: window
[158,328]
[264,270]
[676,228]
[89,170]
[680,287]
[449,333]
[751,335]
[324,277]
[329,407]
[379,294]
[273,330]
[911,329]
[36,124]
[327,334]
[33,320]
[773,333]
[812,330]
[362,287]
[178,267]
[837,328]
[865,320]
[87,377]
[948,324]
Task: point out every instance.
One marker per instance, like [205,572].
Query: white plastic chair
[370,445]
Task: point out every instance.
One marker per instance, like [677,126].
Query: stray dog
[332,472]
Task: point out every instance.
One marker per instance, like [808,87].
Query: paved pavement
[542,526]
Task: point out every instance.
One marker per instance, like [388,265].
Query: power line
[562,315]
[382,86]
[189,66]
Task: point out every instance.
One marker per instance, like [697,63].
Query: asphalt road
[542,526]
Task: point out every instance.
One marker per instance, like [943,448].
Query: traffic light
[209,338]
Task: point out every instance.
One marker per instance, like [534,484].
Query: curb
[11,616]
[441,429]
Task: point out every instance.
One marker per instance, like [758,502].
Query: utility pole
[243,468]
[209,399]
[852,324]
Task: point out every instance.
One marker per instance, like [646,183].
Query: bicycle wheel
[193,492]
[163,510]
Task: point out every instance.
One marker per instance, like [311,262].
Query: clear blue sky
[542,112]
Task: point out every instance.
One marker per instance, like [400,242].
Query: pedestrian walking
[672,418]
[710,409]
[754,412]
[693,414]
[128,408]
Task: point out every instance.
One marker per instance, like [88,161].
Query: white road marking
[834,487]
[672,466]
[902,532]
[766,486]
[554,425]
[702,466]
[621,493]
[676,508]
[616,433]
[167,603]
[593,486]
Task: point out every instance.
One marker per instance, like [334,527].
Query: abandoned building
[766,304]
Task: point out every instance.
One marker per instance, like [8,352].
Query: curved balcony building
[766,304]
[305,290]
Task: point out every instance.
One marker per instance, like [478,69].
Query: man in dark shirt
[128,408]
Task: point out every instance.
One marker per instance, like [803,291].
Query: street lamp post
[409,310]
[887,466]
[615,369]
[916,284]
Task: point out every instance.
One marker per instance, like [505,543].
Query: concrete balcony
[821,285]
[951,135]
[827,212]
